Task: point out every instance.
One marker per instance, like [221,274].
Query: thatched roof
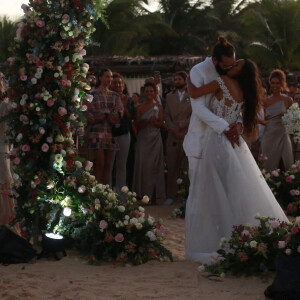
[143,64]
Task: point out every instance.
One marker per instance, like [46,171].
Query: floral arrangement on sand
[54,188]
[253,248]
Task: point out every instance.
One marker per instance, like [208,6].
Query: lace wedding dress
[226,189]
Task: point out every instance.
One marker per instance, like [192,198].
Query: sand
[72,278]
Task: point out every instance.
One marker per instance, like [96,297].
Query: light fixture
[52,243]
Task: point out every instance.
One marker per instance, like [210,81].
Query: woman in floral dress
[103,113]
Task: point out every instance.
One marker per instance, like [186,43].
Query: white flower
[49,139]
[201,268]
[82,189]
[138,226]
[37,75]
[63,152]
[78,164]
[125,222]
[58,158]
[33,80]
[56,75]
[121,208]
[126,217]
[59,138]
[253,244]
[88,165]
[124,190]
[151,220]
[67,211]
[133,221]
[141,209]
[145,199]
[151,236]
[19,137]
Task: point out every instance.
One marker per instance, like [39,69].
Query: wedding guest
[296,98]
[177,117]
[122,134]
[148,176]
[103,113]
[293,87]
[296,147]
[7,205]
[135,99]
[276,143]
[256,145]
[92,79]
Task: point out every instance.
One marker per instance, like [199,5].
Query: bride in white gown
[228,187]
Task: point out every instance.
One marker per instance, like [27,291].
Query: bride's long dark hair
[250,83]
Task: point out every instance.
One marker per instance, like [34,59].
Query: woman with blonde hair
[276,143]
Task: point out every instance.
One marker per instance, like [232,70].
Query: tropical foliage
[265,30]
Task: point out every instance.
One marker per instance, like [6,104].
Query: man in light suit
[223,58]
[177,117]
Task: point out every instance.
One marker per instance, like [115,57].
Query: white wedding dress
[226,189]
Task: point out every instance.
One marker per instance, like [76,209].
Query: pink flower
[25,8]
[37,181]
[41,130]
[293,192]
[281,244]
[294,230]
[66,17]
[63,82]
[288,251]
[68,83]
[62,111]
[23,77]
[40,23]
[119,238]
[97,201]
[17,161]
[33,186]
[275,173]
[260,159]
[25,148]
[103,224]
[82,52]
[298,249]
[24,119]
[50,102]
[275,224]
[245,232]
[45,147]
[82,189]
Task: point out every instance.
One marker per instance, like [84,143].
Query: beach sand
[72,277]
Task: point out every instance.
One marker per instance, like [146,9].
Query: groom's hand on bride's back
[233,133]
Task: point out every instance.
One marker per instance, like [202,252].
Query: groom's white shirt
[201,118]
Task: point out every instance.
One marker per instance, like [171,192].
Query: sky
[12,8]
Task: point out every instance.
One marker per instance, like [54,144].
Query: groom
[223,58]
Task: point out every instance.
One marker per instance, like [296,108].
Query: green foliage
[7,34]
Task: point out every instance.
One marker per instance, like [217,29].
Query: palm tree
[274,33]
[7,34]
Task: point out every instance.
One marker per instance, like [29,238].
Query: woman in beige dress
[6,203]
[276,143]
[148,176]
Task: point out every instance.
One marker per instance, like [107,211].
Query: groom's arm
[199,105]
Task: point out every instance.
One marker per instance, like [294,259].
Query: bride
[229,188]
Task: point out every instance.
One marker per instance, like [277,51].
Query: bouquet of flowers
[291,120]
[252,249]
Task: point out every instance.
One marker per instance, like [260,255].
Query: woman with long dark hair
[230,187]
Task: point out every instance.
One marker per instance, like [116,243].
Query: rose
[138,226]
[45,147]
[72,117]
[253,244]
[275,173]
[82,189]
[103,224]
[63,82]
[59,138]
[40,23]
[78,164]
[65,18]
[119,238]
[17,161]
[23,77]
[67,211]
[25,148]
[49,139]
[24,119]
[294,230]
[289,179]
[121,208]
[124,190]
[19,137]
[33,80]
[62,111]
[88,166]
[275,224]
[288,251]
[281,244]
[41,130]
[141,209]
[179,181]
[293,192]
[245,233]
[50,102]
[145,199]
[89,98]
[151,236]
